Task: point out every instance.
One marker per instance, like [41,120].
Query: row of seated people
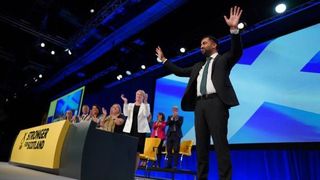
[113,122]
[116,120]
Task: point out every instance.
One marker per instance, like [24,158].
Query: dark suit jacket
[177,123]
[222,66]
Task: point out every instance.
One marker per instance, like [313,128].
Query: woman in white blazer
[137,124]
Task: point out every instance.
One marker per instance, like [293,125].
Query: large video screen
[278,86]
[71,101]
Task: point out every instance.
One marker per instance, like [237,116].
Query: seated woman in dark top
[115,121]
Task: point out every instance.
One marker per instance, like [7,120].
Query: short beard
[207,54]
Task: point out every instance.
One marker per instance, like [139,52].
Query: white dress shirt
[210,88]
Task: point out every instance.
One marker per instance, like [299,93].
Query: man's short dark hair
[212,38]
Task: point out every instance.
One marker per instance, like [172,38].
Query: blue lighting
[145,19]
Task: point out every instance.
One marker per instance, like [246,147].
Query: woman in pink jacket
[158,130]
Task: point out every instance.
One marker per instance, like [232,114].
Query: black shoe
[168,167]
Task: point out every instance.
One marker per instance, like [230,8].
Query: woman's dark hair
[98,107]
[163,118]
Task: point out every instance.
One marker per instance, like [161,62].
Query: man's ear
[214,45]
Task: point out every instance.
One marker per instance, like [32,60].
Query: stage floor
[11,172]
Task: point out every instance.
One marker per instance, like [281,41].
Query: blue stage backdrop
[277,83]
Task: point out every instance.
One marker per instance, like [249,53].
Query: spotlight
[43,45]
[25,85]
[68,50]
[128,73]
[92,10]
[119,77]
[40,76]
[182,50]
[143,67]
[53,52]
[280,8]
[35,80]
[242,25]
[7,100]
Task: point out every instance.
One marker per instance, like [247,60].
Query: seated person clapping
[85,116]
[95,115]
[115,121]
[69,116]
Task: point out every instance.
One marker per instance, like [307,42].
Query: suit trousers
[173,143]
[211,119]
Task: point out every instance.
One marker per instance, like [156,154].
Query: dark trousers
[159,153]
[173,143]
[211,119]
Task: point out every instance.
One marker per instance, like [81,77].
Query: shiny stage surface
[12,172]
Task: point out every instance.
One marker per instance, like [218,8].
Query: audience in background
[136,121]
[115,121]
[95,115]
[85,116]
[69,116]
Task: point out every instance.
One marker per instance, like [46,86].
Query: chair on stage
[150,150]
[185,149]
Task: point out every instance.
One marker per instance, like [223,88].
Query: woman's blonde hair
[141,91]
[119,107]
